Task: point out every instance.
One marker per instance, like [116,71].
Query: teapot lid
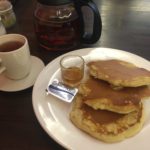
[54,2]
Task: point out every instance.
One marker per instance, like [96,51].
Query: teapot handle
[90,38]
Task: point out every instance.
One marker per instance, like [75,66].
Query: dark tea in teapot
[59,28]
[59,25]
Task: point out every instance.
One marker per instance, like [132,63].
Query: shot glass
[72,70]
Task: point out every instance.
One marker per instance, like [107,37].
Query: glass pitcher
[60,25]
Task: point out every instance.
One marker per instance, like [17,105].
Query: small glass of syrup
[72,69]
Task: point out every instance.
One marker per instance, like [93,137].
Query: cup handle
[90,38]
[2,68]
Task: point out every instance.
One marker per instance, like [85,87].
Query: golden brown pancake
[106,125]
[119,73]
[98,94]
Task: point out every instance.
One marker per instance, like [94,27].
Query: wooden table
[126,26]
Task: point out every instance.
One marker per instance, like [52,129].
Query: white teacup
[15,57]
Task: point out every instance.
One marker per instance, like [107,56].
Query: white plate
[53,114]
[9,85]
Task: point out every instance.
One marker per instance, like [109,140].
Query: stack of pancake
[109,103]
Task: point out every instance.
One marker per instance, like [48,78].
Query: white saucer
[9,85]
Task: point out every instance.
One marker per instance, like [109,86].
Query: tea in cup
[15,59]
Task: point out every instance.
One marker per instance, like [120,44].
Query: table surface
[125,26]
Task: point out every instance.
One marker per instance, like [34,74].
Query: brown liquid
[57,35]
[10,46]
[72,75]
[101,89]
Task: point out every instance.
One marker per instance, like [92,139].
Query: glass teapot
[60,24]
